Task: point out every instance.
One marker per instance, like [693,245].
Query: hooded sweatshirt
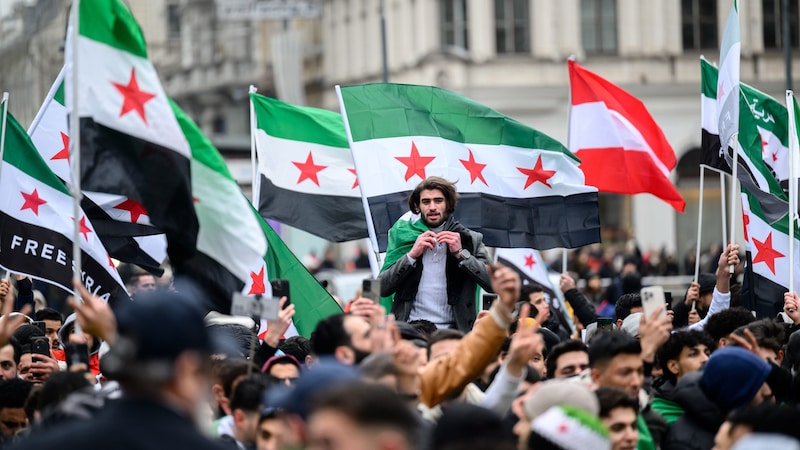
[63,336]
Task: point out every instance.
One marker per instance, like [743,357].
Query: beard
[435,223]
[359,355]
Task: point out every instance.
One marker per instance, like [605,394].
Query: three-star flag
[403,134]
[133,97]
[309,170]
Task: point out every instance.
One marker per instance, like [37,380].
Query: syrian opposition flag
[237,251]
[621,148]
[517,186]
[131,144]
[530,266]
[121,223]
[308,179]
[37,224]
[728,81]
[768,114]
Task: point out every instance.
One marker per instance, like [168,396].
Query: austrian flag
[621,148]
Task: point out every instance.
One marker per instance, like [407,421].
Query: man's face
[432,207]
[284,373]
[359,331]
[51,328]
[332,430]
[247,425]
[622,429]
[145,283]
[537,362]
[763,395]
[537,299]
[24,368]
[624,371]
[8,368]
[689,360]
[570,364]
[270,434]
[11,421]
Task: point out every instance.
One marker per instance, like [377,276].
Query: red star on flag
[355,182]
[32,202]
[110,261]
[415,163]
[308,170]
[765,253]
[134,98]
[64,152]
[774,156]
[563,428]
[475,169]
[537,174]
[258,282]
[134,207]
[746,222]
[85,230]
[529,262]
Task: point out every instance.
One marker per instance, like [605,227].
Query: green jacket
[667,408]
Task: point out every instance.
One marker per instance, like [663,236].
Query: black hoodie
[701,420]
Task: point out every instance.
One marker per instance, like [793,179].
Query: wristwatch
[462,254]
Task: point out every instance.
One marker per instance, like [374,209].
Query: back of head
[625,303]
[612,398]
[631,283]
[248,393]
[24,333]
[297,346]
[329,334]
[768,418]
[59,386]
[14,392]
[568,428]
[768,333]
[48,314]
[732,377]
[467,426]
[723,323]
[608,344]
[560,392]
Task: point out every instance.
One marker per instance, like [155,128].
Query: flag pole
[254,185]
[734,174]
[75,157]
[569,124]
[699,224]
[723,208]
[4,125]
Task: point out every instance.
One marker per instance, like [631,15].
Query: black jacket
[700,421]
[402,280]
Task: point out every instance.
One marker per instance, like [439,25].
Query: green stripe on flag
[111,23]
[59,95]
[380,110]
[708,79]
[299,123]
[200,144]
[28,161]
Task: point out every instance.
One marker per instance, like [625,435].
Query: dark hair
[625,303]
[527,289]
[59,386]
[377,366]
[612,398]
[767,332]
[247,395]
[631,283]
[425,327]
[606,345]
[14,392]
[430,183]
[767,418]
[467,426]
[14,343]
[329,334]
[48,314]
[24,333]
[369,405]
[571,345]
[723,323]
[444,334]
[671,350]
[230,370]
[297,346]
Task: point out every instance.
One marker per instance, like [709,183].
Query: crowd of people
[431,373]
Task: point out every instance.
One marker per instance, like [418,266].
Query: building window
[454,23]
[173,21]
[512,26]
[773,23]
[699,22]
[599,26]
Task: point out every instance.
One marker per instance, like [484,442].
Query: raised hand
[277,328]
[791,306]
[566,282]
[451,238]
[425,241]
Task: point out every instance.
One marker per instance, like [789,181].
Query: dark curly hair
[430,183]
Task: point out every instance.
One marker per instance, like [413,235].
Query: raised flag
[530,266]
[237,251]
[308,179]
[37,224]
[728,81]
[131,144]
[517,186]
[621,147]
[121,223]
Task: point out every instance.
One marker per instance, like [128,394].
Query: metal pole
[787,42]
[384,53]
[699,224]
[75,156]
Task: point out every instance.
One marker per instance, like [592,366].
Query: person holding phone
[433,263]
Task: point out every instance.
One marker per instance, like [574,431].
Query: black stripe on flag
[331,217]
[43,253]
[209,280]
[711,154]
[540,222]
[156,177]
[760,294]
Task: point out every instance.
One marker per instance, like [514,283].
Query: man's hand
[8,324]
[653,333]
[694,317]
[693,293]
[42,367]
[791,306]
[365,308]
[425,241]
[94,315]
[525,343]
[451,238]
[730,257]
[5,287]
[506,284]
[277,328]
[566,282]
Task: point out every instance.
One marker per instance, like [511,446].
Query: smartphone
[280,288]
[488,299]
[371,289]
[40,345]
[77,354]
[605,323]
[42,326]
[254,306]
[668,300]
[652,298]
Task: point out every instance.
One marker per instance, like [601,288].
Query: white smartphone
[652,298]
